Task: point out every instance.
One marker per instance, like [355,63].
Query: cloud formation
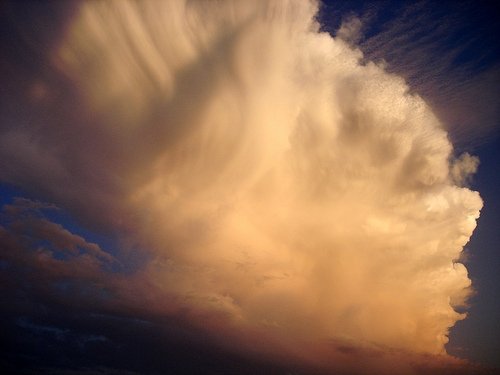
[460,80]
[286,194]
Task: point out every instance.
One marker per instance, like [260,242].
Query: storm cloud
[285,196]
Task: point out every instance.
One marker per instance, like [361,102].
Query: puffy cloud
[350,30]
[280,187]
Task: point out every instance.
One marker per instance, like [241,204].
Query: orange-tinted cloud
[281,188]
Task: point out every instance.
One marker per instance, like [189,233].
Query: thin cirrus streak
[275,183]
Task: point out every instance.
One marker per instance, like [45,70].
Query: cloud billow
[278,186]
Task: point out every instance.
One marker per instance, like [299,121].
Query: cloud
[350,30]
[460,80]
[287,195]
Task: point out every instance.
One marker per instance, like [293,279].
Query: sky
[269,187]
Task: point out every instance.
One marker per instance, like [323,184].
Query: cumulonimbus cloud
[275,181]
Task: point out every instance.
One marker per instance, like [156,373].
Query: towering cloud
[276,185]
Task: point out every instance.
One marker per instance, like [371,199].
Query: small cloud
[464,168]
[350,30]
